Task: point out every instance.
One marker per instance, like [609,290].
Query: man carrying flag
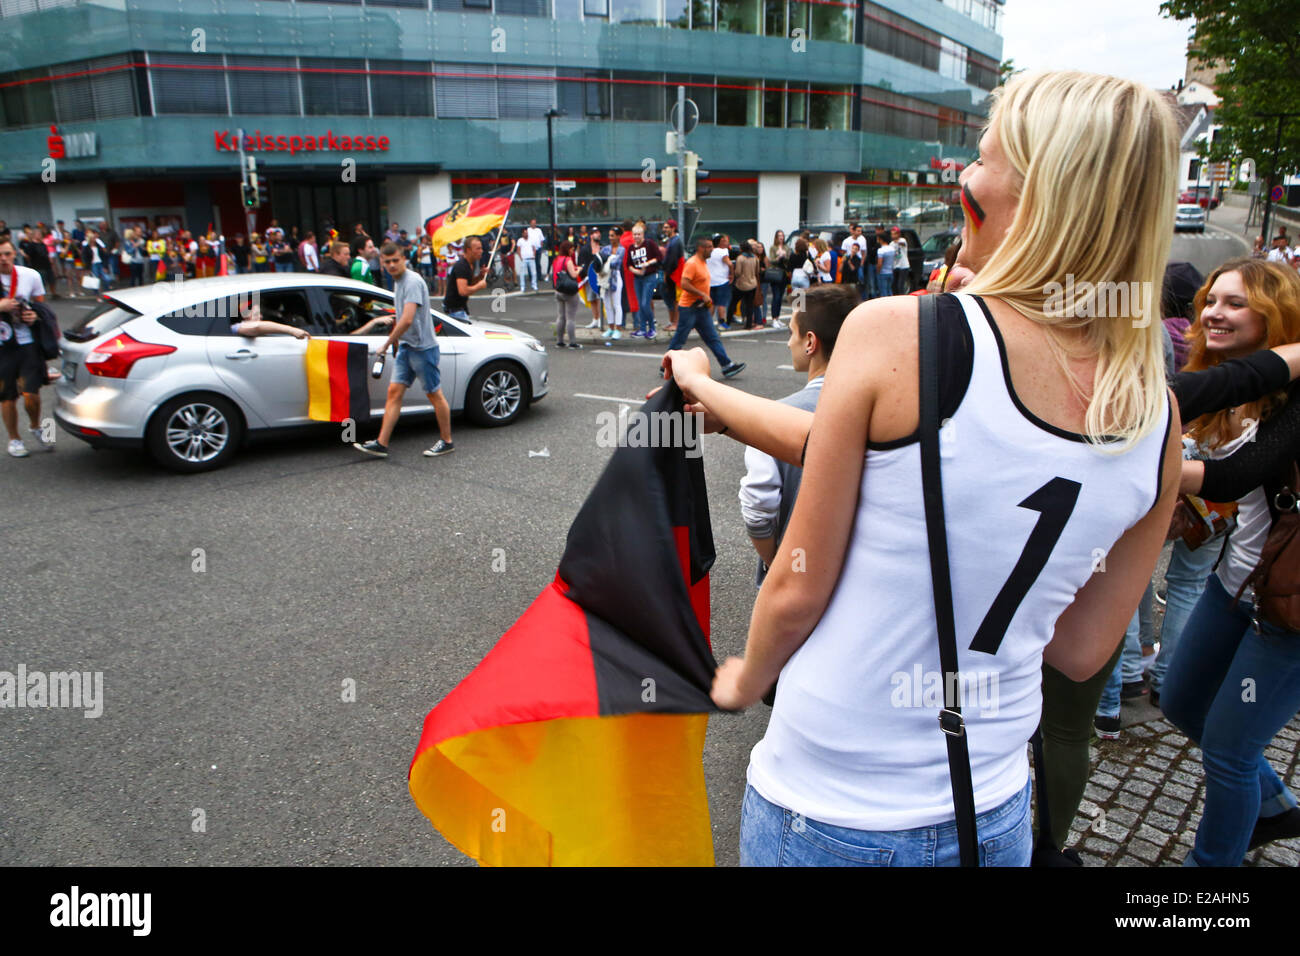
[416,355]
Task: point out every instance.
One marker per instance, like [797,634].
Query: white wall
[413,199]
[778,204]
[69,200]
[826,198]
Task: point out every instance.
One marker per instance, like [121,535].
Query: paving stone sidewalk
[1151,787]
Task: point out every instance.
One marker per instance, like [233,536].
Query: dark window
[200,320]
[586,93]
[525,92]
[350,310]
[28,104]
[466,91]
[393,94]
[333,86]
[182,85]
[523,8]
[737,102]
[900,37]
[639,97]
[698,89]
[264,84]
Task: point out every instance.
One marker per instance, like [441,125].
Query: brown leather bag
[1276,578]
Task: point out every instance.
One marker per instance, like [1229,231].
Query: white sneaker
[39,443]
[593,324]
[17,449]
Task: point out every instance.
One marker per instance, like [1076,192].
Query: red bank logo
[226,141]
[54,144]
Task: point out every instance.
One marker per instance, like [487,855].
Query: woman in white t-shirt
[1073,408]
[823,251]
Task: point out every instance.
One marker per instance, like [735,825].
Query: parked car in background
[161,367]
[1200,197]
[934,248]
[927,211]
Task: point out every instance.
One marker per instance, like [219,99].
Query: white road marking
[788,368]
[610,398]
[657,356]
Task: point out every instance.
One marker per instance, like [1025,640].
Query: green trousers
[1069,708]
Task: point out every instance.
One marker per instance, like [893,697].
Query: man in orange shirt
[694,304]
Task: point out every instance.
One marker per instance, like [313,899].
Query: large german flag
[578,739]
[470,217]
[336,381]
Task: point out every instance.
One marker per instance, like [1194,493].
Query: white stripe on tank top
[854,737]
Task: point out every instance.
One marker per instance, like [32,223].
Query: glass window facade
[188,83]
[264,84]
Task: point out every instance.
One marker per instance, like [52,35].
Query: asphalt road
[223,688]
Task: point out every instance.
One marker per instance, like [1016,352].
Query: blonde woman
[1075,411]
[822,253]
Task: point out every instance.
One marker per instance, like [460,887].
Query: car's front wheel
[193,433]
[497,395]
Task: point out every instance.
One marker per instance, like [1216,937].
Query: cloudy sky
[1127,38]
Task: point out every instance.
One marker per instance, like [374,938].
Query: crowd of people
[1066,466]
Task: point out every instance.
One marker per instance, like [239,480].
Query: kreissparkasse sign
[227,141]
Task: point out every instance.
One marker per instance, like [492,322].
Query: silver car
[160,367]
[1189,216]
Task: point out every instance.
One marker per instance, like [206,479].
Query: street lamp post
[550,164]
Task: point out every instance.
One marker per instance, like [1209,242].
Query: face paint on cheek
[974,214]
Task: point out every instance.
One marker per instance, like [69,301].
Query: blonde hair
[1273,294]
[1097,159]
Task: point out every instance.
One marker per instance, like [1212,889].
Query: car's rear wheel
[498,394]
[193,433]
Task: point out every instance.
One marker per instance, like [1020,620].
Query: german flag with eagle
[578,740]
[470,217]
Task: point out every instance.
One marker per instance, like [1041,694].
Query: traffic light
[263,191]
[692,176]
[668,184]
[248,187]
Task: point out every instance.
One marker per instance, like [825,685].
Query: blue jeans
[697,317]
[884,283]
[774,836]
[1108,706]
[100,272]
[284,267]
[778,297]
[1230,690]
[1184,581]
[645,289]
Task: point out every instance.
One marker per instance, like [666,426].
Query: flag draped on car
[578,739]
[336,381]
[470,217]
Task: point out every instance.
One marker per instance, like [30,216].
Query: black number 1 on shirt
[1055,503]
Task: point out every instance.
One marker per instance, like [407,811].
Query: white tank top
[854,738]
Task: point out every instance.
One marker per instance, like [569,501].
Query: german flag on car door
[578,740]
[336,381]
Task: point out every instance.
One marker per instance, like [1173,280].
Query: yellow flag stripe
[318,380]
[622,790]
[466,226]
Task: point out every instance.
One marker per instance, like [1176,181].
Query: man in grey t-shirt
[417,354]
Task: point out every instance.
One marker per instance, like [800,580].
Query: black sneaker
[1132,689]
[372,448]
[1155,697]
[1107,728]
[574,345]
[1284,826]
[734,369]
[440,447]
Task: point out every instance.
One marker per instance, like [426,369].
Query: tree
[1258,44]
[1006,70]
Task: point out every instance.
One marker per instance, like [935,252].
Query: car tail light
[115,357]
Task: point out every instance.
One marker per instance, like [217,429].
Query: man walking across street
[417,354]
[527,259]
[22,367]
[694,305]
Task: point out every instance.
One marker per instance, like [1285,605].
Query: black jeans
[778,296]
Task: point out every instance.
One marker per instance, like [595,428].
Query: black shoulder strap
[950,719]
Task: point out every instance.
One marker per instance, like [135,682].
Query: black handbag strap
[950,719]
